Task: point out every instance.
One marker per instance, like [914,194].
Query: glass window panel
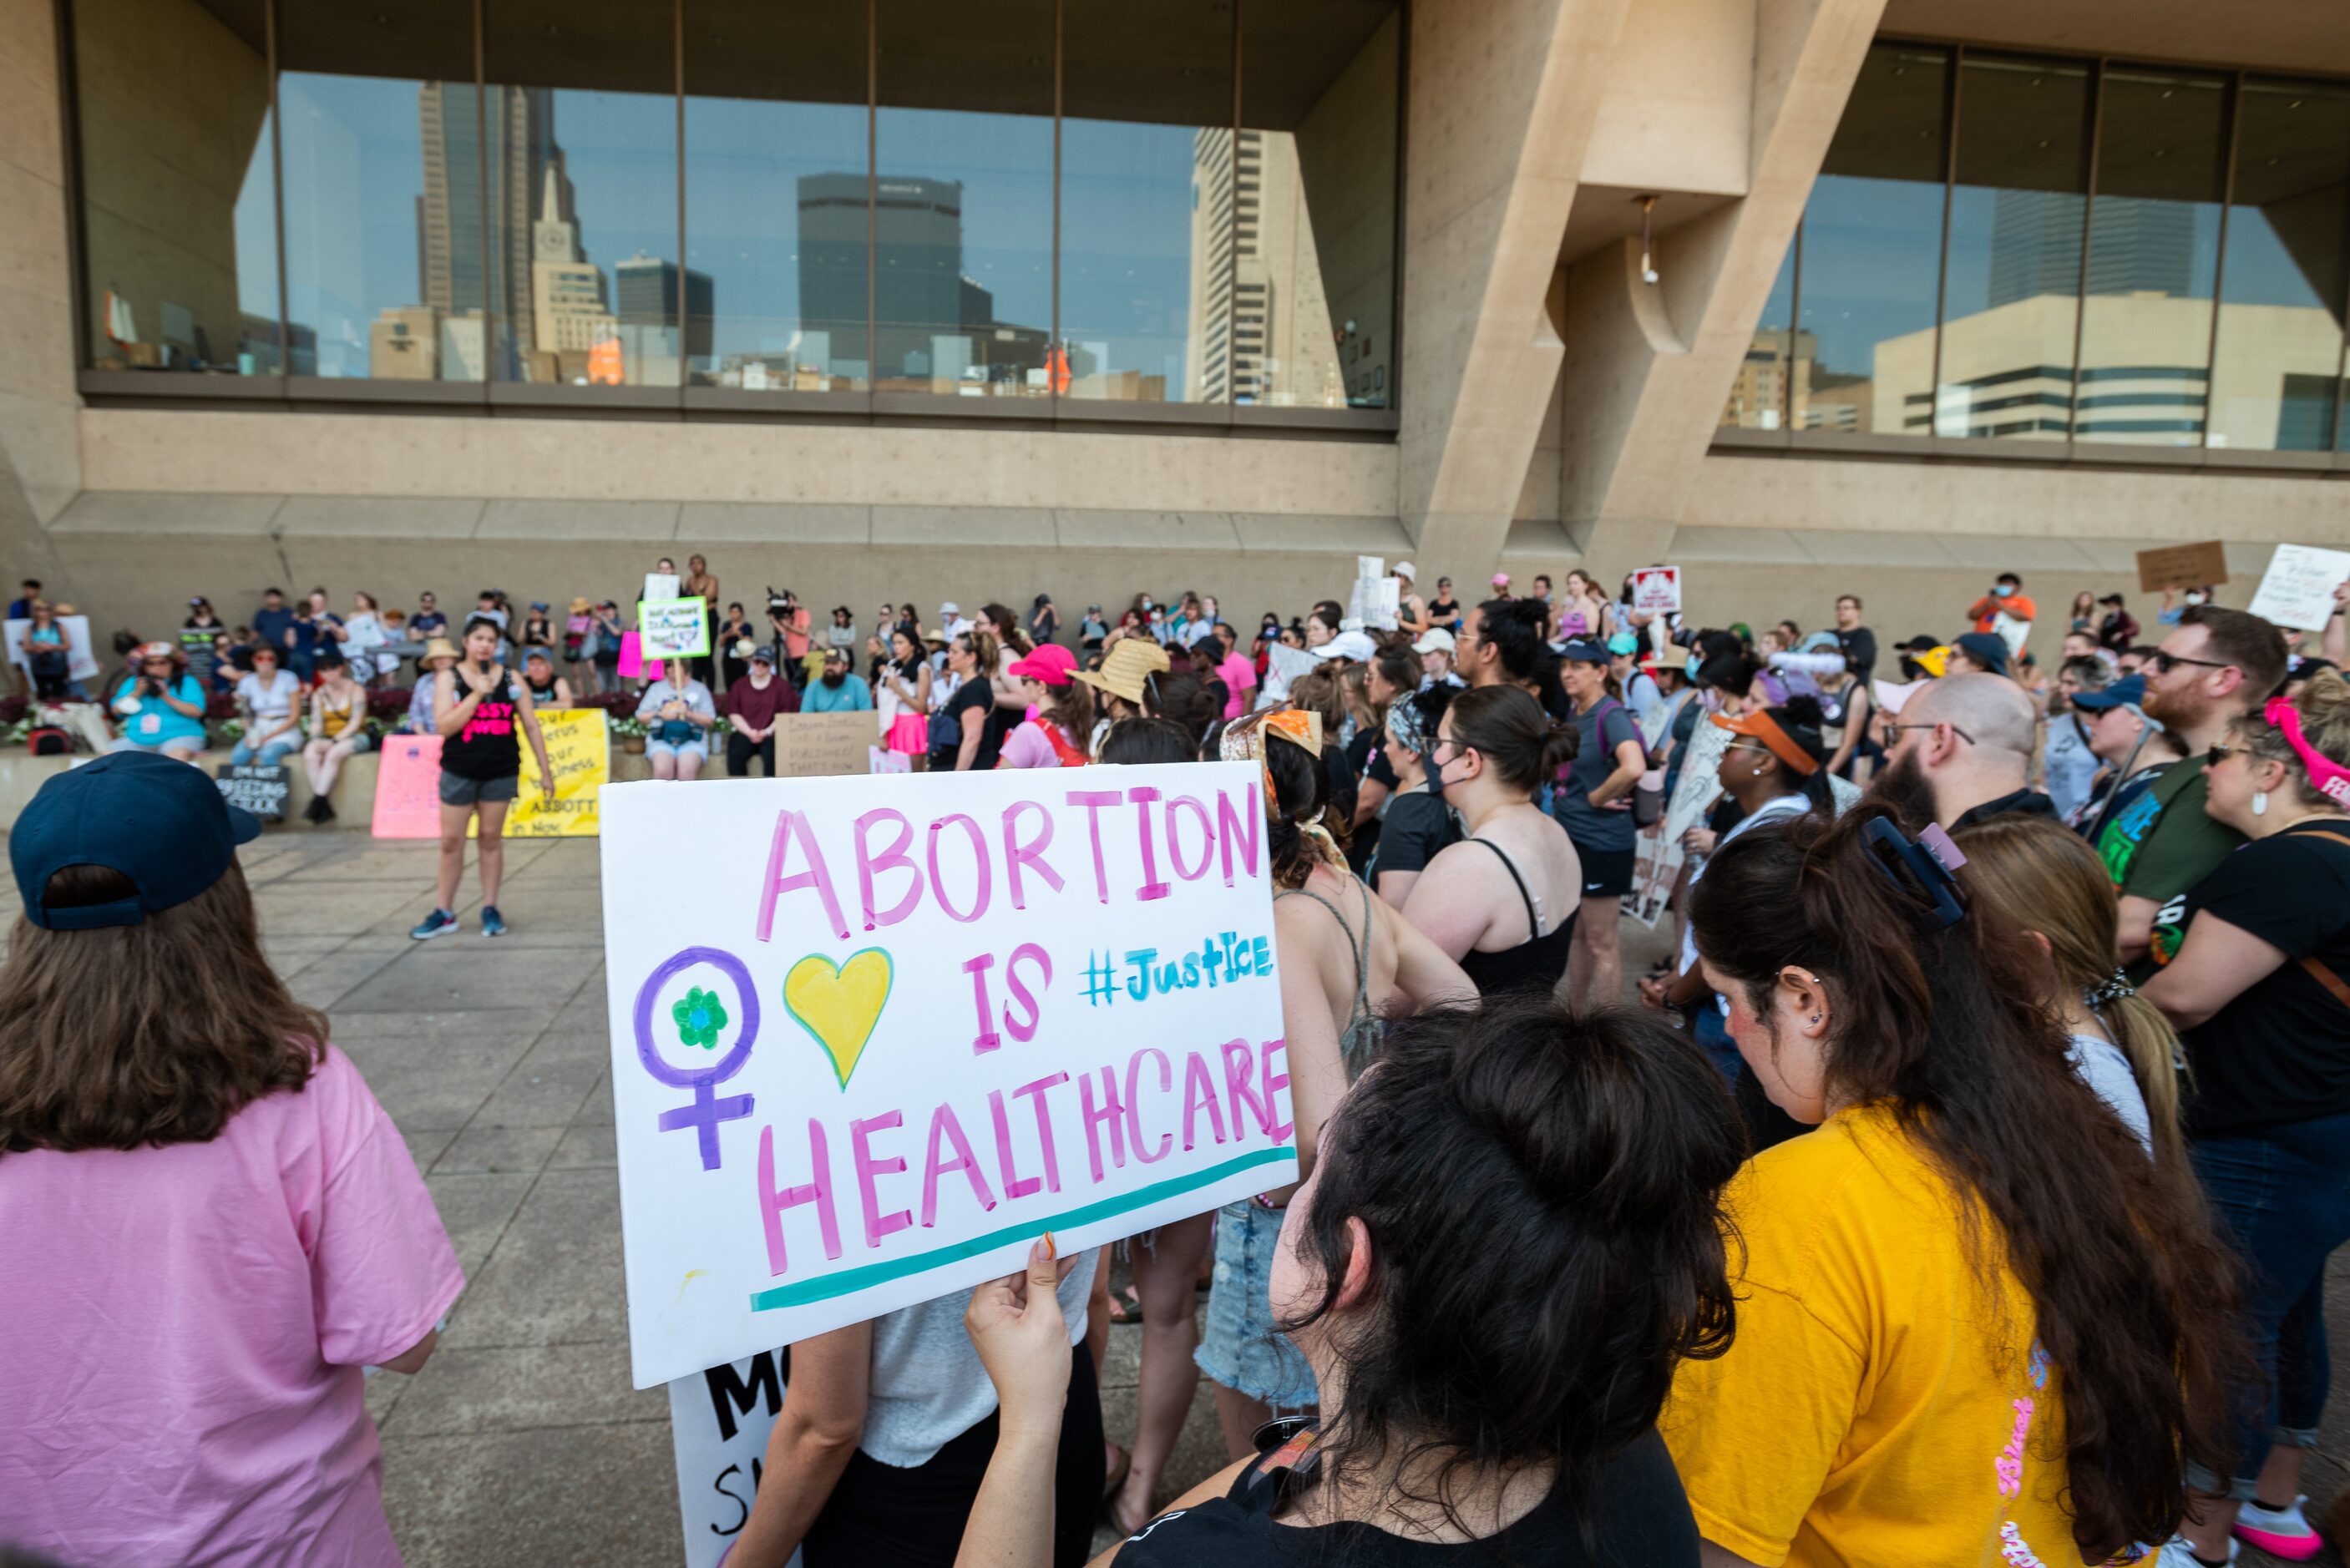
[2154,249]
[1146,238]
[1758,399]
[2012,295]
[383,213]
[1312,178]
[2275,381]
[777,192]
[1871,251]
[178,209]
[580,115]
[962,253]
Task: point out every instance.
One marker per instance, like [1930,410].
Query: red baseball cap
[1051,663]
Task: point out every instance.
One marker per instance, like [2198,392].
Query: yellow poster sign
[580,749]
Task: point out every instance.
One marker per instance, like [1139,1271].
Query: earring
[2259,802]
[1758,773]
[1815,1018]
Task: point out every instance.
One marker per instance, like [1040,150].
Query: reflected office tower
[647,290]
[1260,323]
[569,315]
[520,122]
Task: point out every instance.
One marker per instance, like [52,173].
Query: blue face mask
[2003,590]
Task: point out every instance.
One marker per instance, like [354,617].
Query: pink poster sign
[632,656]
[408,787]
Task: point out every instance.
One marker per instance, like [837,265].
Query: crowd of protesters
[1960,1192]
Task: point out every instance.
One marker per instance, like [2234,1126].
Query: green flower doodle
[699,1017]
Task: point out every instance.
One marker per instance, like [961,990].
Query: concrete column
[1647,366]
[40,466]
[1502,97]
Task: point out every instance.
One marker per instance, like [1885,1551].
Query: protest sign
[1655,866]
[580,749]
[408,787]
[659,586]
[2182,567]
[261,790]
[1285,664]
[840,1087]
[820,745]
[632,656]
[2297,590]
[674,628]
[878,761]
[718,1425]
[1656,590]
[82,664]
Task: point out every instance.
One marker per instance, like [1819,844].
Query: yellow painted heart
[839,1003]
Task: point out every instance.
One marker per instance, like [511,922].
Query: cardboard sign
[718,1425]
[1656,590]
[259,790]
[822,745]
[82,664]
[2297,590]
[674,628]
[408,787]
[2182,567]
[580,749]
[940,1015]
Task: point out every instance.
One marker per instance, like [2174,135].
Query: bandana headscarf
[1407,729]
[1246,741]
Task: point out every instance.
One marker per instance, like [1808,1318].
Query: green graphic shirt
[2177,849]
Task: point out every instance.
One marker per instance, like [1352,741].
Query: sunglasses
[2219,753]
[2164,663]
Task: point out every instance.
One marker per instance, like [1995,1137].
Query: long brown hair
[148,1034]
[1946,1027]
[2053,883]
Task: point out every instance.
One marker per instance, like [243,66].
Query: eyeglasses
[1961,734]
[2165,661]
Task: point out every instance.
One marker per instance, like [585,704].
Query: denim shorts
[677,749]
[458,789]
[1241,1349]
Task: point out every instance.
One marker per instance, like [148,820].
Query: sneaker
[316,810]
[325,809]
[2282,1532]
[439,923]
[493,923]
[2177,1553]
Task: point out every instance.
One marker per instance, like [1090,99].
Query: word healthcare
[861,1052]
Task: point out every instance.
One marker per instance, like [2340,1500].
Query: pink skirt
[909,736]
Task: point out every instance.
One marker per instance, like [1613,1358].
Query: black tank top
[487,747]
[1534,964]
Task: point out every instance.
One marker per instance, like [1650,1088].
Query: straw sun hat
[1130,661]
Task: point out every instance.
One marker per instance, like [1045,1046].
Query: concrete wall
[39,448]
[1346,156]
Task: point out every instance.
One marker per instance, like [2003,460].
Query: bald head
[1991,709]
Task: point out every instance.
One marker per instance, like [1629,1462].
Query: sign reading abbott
[909,1022]
[579,750]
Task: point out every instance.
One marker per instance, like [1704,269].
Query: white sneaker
[2177,1553]
[2283,1533]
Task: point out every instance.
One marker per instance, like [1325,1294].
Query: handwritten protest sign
[940,1015]
[674,628]
[2297,590]
[659,586]
[259,790]
[818,745]
[1656,590]
[408,787]
[81,663]
[2183,566]
[718,1424]
[579,748]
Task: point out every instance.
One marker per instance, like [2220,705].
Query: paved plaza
[522,1439]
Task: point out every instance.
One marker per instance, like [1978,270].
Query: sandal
[1123,1526]
[1115,1477]
[1126,1306]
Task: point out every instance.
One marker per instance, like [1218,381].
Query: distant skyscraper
[2138,247]
[569,313]
[520,122]
[1260,323]
[647,294]
[832,249]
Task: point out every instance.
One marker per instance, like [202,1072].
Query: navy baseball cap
[2128,692]
[162,824]
[1582,651]
[1986,649]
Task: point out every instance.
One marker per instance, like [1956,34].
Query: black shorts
[456,789]
[1607,873]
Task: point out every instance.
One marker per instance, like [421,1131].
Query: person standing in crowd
[207,1213]
[272,621]
[1444,610]
[902,694]
[1417,825]
[2052,884]
[1546,1188]
[1503,903]
[610,632]
[1977,653]
[1412,610]
[1093,630]
[1962,748]
[159,706]
[363,633]
[1130,670]
[48,654]
[842,632]
[701,583]
[338,731]
[428,622]
[2006,598]
[478,703]
[1060,723]
[1847,708]
[1346,962]
[2259,988]
[2118,629]
[678,713]
[271,700]
[549,692]
[1593,801]
[197,635]
[1235,670]
[754,705]
[836,689]
[1043,621]
[537,627]
[971,711]
[1501,644]
[2134,749]
[225,674]
[2068,764]
[1930,1279]
[731,646]
[2215,667]
[1435,647]
[794,629]
[578,644]
[439,654]
[1585,611]
[21,606]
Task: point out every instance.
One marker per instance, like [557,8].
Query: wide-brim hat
[439,647]
[1127,665]
[580,605]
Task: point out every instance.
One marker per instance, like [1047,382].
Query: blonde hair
[1318,691]
[2049,881]
[2325,707]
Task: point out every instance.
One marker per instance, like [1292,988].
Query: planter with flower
[630,731]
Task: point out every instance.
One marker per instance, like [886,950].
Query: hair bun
[1803,708]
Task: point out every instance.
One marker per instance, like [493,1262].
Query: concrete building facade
[1752,286]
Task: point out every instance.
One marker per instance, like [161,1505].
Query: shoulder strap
[2317,970]
[1359,951]
[1533,922]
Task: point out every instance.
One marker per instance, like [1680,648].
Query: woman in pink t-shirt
[209,1225]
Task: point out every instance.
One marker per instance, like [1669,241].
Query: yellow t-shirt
[1876,1407]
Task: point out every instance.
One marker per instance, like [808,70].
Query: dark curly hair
[1542,1190]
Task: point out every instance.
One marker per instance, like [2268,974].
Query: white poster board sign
[2297,590]
[1656,590]
[674,628]
[659,586]
[718,1423]
[907,1022]
[81,663]
[1285,664]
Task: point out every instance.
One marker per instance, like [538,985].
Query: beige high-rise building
[404,344]
[571,312]
[1260,323]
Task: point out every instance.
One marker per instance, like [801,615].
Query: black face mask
[833,679]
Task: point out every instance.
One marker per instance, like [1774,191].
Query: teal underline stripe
[848,1280]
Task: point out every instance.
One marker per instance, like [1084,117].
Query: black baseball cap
[1986,649]
[162,824]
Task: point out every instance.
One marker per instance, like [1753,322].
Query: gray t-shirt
[1608,725]
[2104,1069]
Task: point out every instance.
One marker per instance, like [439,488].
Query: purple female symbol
[706,1111]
